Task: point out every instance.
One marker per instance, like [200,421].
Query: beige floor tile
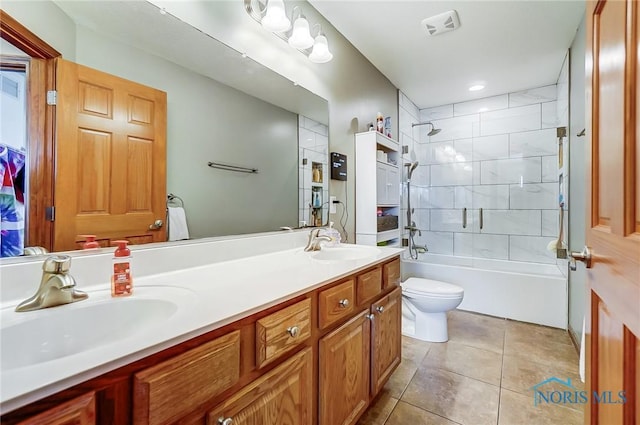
[414,350]
[472,362]
[520,331]
[380,410]
[518,409]
[467,317]
[452,396]
[479,333]
[559,355]
[521,375]
[400,378]
[406,414]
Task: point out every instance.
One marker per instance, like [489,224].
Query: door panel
[110,158]
[385,339]
[613,208]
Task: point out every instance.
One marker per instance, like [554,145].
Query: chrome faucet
[57,286]
[314,240]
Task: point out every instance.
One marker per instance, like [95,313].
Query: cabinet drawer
[169,390]
[391,274]
[336,303]
[282,396]
[369,285]
[79,411]
[279,332]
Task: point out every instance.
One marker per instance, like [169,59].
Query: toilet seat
[419,287]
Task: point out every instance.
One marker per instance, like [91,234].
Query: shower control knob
[344,303]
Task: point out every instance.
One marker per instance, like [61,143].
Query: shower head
[410,167]
[433,131]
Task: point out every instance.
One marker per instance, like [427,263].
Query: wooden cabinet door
[386,340]
[79,411]
[343,366]
[110,158]
[281,397]
[613,211]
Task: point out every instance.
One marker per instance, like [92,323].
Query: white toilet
[425,303]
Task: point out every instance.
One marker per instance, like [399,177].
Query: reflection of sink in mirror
[345,253]
[59,331]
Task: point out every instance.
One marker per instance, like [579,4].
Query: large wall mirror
[221,107]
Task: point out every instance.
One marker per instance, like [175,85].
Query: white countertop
[208,297]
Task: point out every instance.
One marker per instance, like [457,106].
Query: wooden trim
[40,128]
[629,190]
[18,35]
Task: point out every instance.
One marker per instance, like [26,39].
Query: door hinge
[50,213]
[52,97]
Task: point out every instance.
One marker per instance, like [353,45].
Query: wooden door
[386,339]
[110,169]
[613,224]
[343,366]
[281,397]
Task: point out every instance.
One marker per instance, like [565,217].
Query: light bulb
[320,52]
[301,37]
[275,19]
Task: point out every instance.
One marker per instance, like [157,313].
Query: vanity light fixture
[300,36]
[275,17]
[271,14]
[320,52]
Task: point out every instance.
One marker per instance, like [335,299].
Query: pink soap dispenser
[121,278]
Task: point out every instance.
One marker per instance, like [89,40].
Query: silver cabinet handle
[156,225]
[464,218]
[584,256]
[225,421]
[344,303]
[481,219]
[380,309]
[293,331]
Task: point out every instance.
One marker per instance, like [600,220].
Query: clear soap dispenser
[334,234]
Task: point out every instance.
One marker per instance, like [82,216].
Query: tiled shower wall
[498,153]
[313,145]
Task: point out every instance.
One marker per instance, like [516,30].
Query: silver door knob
[584,256]
[156,225]
[293,331]
[225,421]
[344,303]
[380,309]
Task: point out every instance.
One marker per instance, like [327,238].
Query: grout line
[429,411]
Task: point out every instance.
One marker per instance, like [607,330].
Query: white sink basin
[44,335]
[345,253]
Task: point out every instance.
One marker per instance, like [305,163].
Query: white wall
[499,154]
[47,21]
[13,110]
[355,89]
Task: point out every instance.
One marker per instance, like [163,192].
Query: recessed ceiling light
[476,87]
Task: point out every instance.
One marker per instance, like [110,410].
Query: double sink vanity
[250,330]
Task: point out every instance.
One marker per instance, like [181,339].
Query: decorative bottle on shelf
[380,123]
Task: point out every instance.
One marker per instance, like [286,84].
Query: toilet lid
[416,285]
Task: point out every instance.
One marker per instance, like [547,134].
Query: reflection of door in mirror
[13,149]
[313,144]
[110,158]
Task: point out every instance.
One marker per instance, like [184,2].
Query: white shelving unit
[377,187]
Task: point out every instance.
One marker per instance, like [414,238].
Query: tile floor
[483,375]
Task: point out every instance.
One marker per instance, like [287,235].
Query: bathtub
[528,292]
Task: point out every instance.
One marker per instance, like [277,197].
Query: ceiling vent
[439,24]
